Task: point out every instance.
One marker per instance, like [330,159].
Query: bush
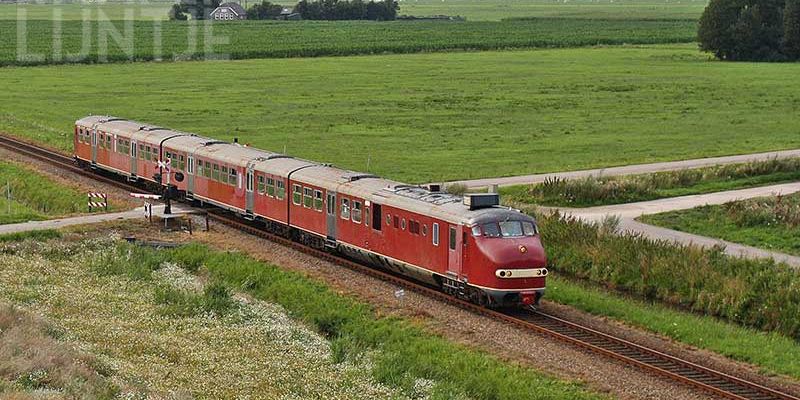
[791,29]
[383,10]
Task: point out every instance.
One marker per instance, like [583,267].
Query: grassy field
[597,191]
[271,39]
[431,117]
[473,10]
[772,352]
[770,223]
[34,196]
[172,323]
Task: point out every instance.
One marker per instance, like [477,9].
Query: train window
[261,186]
[424,229]
[435,234]
[233,178]
[297,195]
[141,151]
[345,209]
[147,153]
[208,169]
[223,176]
[181,163]
[281,190]
[102,141]
[376,220]
[331,205]
[453,237]
[308,197]
[108,142]
[476,230]
[366,216]
[357,212]
[215,172]
[413,227]
[318,200]
[190,165]
[270,187]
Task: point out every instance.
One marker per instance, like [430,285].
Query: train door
[330,208]
[249,192]
[134,154]
[190,175]
[94,144]
[455,250]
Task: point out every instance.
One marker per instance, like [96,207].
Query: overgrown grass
[756,293]
[771,223]
[406,354]
[34,196]
[215,298]
[595,191]
[129,260]
[280,39]
[772,352]
[40,235]
[33,361]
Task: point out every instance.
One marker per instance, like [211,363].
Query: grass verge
[771,352]
[33,196]
[771,223]
[757,293]
[598,191]
[406,353]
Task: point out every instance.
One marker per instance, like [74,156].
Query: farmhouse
[229,12]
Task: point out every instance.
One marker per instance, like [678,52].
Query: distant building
[229,12]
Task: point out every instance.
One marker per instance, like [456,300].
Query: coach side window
[345,209]
[297,195]
[224,175]
[108,141]
[261,187]
[318,200]
[435,234]
[281,190]
[208,169]
[270,187]
[357,212]
[453,238]
[308,197]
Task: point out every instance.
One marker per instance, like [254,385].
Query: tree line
[381,10]
[751,30]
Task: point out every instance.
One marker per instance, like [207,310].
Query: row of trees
[381,10]
[751,30]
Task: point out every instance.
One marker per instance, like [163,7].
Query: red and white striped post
[97,204]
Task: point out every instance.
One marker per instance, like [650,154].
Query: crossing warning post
[97,200]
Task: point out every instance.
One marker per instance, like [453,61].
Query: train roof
[232,153]
[282,165]
[135,130]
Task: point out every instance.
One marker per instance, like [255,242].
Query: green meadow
[443,116]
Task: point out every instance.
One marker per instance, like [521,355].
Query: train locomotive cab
[505,258]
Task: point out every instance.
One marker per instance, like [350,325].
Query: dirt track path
[629,169]
[629,212]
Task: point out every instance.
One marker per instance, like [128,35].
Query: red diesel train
[468,246]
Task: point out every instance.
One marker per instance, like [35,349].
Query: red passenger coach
[468,246]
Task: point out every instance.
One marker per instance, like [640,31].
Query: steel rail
[650,360]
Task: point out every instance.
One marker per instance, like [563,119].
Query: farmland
[92,42]
[473,10]
[771,223]
[422,117]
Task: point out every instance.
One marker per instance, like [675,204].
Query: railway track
[677,369]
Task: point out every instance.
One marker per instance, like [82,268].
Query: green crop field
[473,10]
[134,40]
[493,10]
[430,117]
